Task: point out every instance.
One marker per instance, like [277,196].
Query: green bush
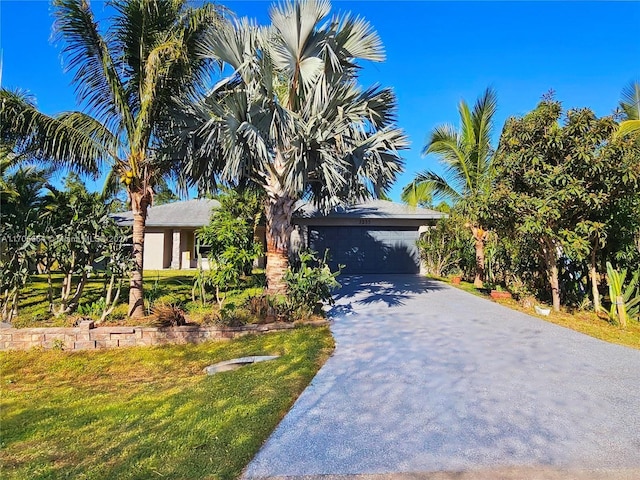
[310,285]
[93,310]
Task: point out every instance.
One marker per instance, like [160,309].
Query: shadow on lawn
[140,421]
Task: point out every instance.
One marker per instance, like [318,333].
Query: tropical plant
[127,78]
[78,223]
[117,264]
[442,247]
[418,193]
[630,105]
[167,315]
[233,224]
[17,249]
[310,285]
[291,118]
[226,268]
[625,300]
[21,196]
[467,156]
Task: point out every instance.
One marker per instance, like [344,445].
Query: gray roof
[196,213]
[371,209]
[188,213]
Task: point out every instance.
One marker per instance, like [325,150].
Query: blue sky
[437,54]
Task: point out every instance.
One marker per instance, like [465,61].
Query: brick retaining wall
[88,337]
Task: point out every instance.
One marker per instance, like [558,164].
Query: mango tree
[557,184]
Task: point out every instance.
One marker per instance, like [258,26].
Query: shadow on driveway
[428,378]
[392,290]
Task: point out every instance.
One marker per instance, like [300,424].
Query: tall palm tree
[630,105]
[292,119]
[467,156]
[127,80]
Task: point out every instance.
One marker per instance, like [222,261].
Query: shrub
[444,248]
[167,315]
[309,286]
[235,317]
[268,308]
[625,300]
[93,310]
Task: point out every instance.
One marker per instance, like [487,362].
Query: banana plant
[625,301]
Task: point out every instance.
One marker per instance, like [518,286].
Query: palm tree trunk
[479,280]
[136,291]
[479,235]
[593,273]
[278,212]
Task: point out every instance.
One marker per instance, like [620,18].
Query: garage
[373,237]
[368,249]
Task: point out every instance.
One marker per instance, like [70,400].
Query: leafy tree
[232,228]
[127,79]
[117,264]
[230,237]
[20,198]
[467,156]
[556,186]
[292,120]
[78,222]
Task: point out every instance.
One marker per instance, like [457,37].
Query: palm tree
[418,194]
[128,80]
[630,105]
[292,120]
[467,156]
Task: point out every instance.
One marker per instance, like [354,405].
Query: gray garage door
[368,249]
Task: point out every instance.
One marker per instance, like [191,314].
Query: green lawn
[149,412]
[169,286]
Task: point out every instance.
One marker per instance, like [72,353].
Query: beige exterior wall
[154,250]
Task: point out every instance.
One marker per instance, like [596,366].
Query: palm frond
[357,38]
[438,184]
[630,102]
[71,140]
[98,85]
[466,154]
[417,193]
[628,127]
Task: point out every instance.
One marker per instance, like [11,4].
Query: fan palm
[292,119]
[467,156]
[630,105]
[128,80]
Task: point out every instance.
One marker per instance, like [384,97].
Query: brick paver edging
[87,336]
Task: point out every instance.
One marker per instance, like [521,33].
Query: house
[377,236]
[374,237]
[169,239]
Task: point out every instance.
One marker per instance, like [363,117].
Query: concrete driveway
[426,378]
